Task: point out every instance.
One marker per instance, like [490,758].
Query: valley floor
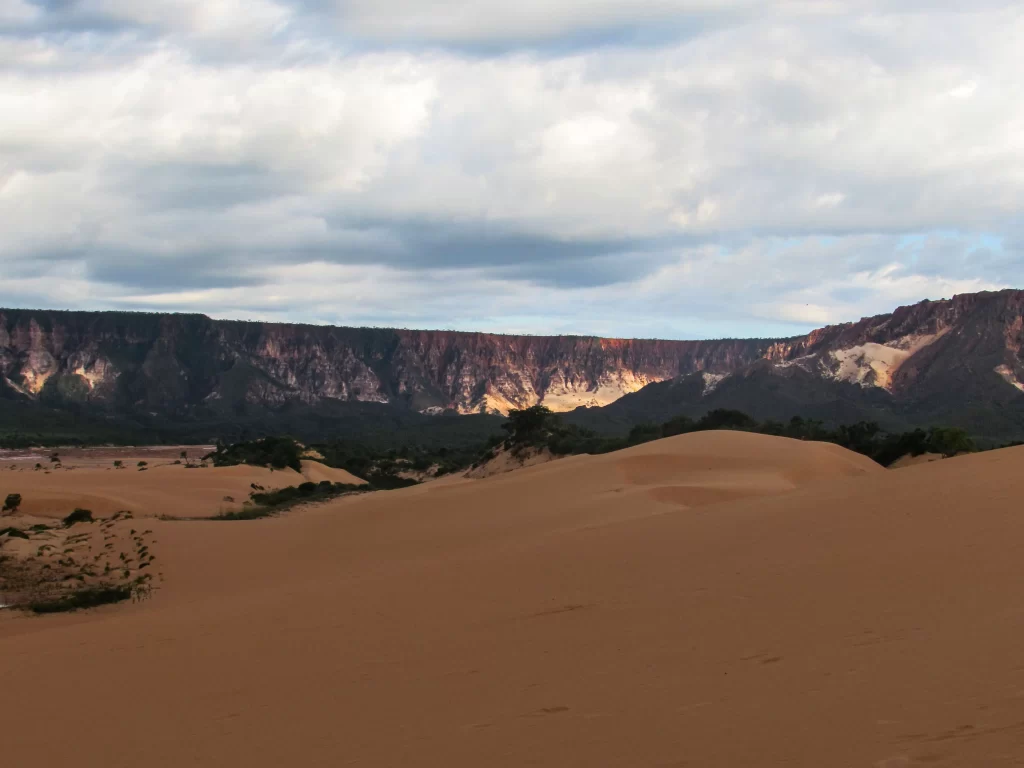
[713,599]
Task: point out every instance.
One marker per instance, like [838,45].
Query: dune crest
[316,472]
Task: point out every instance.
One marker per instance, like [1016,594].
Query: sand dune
[593,611]
[913,461]
[316,472]
[163,489]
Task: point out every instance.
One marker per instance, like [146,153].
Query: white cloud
[306,161]
[17,12]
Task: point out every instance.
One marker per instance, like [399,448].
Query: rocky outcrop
[173,363]
[176,365]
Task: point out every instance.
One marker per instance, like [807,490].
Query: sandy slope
[163,489]
[504,460]
[316,472]
[913,461]
[826,613]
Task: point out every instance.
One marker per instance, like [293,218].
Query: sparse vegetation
[78,516]
[62,573]
[87,597]
[539,427]
[267,503]
[273,452]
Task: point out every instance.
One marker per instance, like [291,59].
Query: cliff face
[920,347]
[176,365]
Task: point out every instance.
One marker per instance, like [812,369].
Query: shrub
[273,452]
[90,597]
[78,516]
[13,533]
[12,502]
[268,503]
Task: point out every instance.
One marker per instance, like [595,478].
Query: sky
[628,168]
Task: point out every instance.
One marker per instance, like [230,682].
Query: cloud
[664,167]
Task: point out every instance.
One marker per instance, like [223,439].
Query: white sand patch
[93,375]
[804,362]
[566,396]
[1009,376]
[711,380]
[498,403]
[35,381]
[874,365]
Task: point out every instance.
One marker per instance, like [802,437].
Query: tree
[529,424]
[724,418]
[12,502]
[950,441]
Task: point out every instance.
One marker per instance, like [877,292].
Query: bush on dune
[90,597]
[78,516]
[539,427]
[268,503]
[273,452]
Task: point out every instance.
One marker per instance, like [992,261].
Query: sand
[717,599]
[164,488]
[316,472]
[913,461]
[505,460]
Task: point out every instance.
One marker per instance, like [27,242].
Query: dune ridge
[828,612]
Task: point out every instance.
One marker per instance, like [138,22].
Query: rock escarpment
[173,363]
[178,365]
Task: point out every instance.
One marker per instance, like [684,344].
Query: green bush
[12,502]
